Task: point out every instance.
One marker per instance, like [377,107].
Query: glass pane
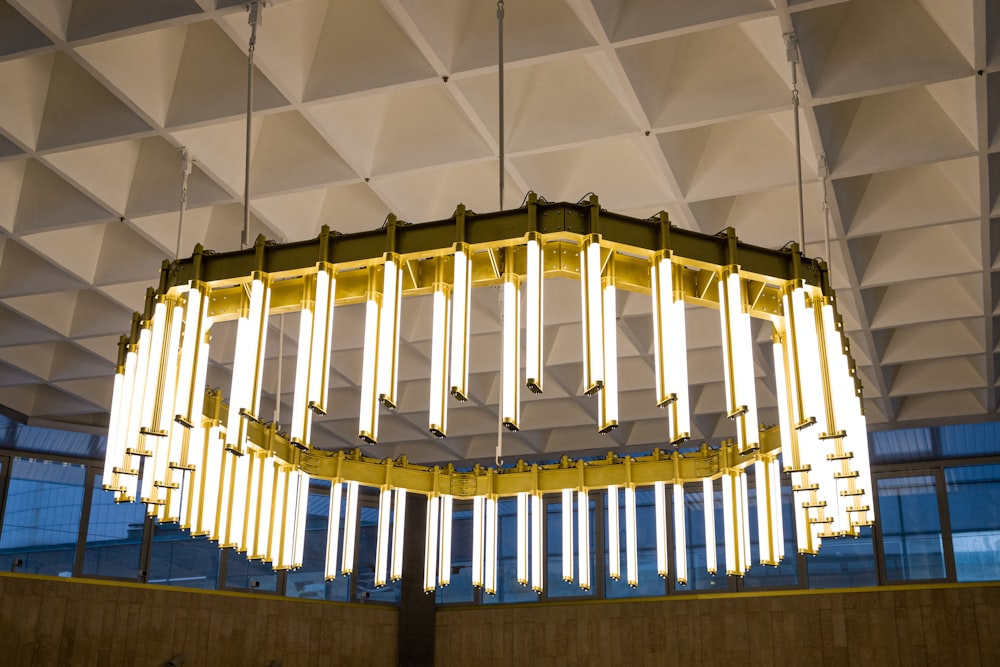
[251,575]
[649,583]
[911,528]
[555,587]
[308,581]
[460,589]
[786,573]
[177,559]
[699,578]
[114,535]
[365,569]
[508,590]
[843,562]
[974,508]
[41,522]
[970,439]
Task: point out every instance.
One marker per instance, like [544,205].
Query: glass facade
[936,495]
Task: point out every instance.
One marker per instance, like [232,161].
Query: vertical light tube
[262,548]
[537,550]
[250,520]
[680,534]
[744,519]
[333,531]
[350,529]
[152,382]
[614,547]
[737,354]
[608,406]
[534,315]
[477,541]
[301,518]
[209,474]
[300,395]
[708,495]
[438,412]
[444,573]
[382,544]
[368,420]
[631,556]
[567,535]
[729,528]
[431,543]
[765,528]
[111,454]
[777,516]
[511,362]
[172,445]
[593,319]
[398,531]
[805,362]
[490,556]
[280,540]
[460,323]
[522,538]
[670,347]
[583,530]
[659,499]
[319,339]
[388,332]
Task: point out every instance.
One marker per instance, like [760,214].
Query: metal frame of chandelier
[214,466]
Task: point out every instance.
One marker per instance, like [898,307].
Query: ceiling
[365,108]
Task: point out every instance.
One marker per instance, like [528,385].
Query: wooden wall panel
[937,625]
[49,621]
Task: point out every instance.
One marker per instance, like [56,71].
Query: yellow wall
[50,621]
[953,625]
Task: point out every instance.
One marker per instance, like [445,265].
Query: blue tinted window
[974,509]
[114,535]
[911,528]
[177,559]
[41,522]
[843,562]
[308,581]
[649,582]
[912,444]
[460,589]
[554,585]
[365,567]
[508,589]
[786,573]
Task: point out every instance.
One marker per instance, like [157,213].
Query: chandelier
[208,461]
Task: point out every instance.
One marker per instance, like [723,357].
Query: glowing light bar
[680,535]
[608,406]
[510,403]
[388,332]
[444,571]
[631,556]
[382,537]
[490,547]
[614,548]
[368,421]
[431,543]
[533,315]
[737,355]
[567,535]
[438,412]
[708,495]
[537,550]
[583,539]
[670,348]
[460,323]
[659,500]
[522,539]
[593,318]
[398,530]
[478,539]
[350,528]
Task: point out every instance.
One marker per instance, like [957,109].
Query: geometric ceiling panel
[463,35]
[914,301]
[622,165]
[859,140]
[405,129]
[846,46]
[935,340]
[578,104]
[914,254]
[626,19]
[17,34]
[917,196]
[689,79]
[366,108]
[347,60]
[48,202]
[730,158]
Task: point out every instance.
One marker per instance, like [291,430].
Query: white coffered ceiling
[367,107]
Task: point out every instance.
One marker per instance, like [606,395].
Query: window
[555,587]
[365,567]
[177,559]
[460,589]
[649,582]
[911,528]
[309,581]
[114,535]
[974,510]
[41,522]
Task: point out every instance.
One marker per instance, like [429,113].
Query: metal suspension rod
[186,163]
[254,19]
[500,14]
[792,52]
[824,173]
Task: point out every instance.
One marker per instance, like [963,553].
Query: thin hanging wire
[824,172]
[256,11]
[186,163]
[503,175]
[792,52]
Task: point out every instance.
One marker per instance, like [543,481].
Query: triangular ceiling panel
[76,249]
[79,109]
[858,140]
[17,34]
[345,208]
[949,404]
[19,330]
[689,79]
[96,17]
[347,60]
[927,252]
[908,303]
[156,184]
[25,82]
[53,310]
[23,272]
[203,93]
[48,202]
[126,257]
[626,19]
[290,154]
[935,340]
[845,47]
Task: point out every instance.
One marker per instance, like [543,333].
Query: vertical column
[416,608]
